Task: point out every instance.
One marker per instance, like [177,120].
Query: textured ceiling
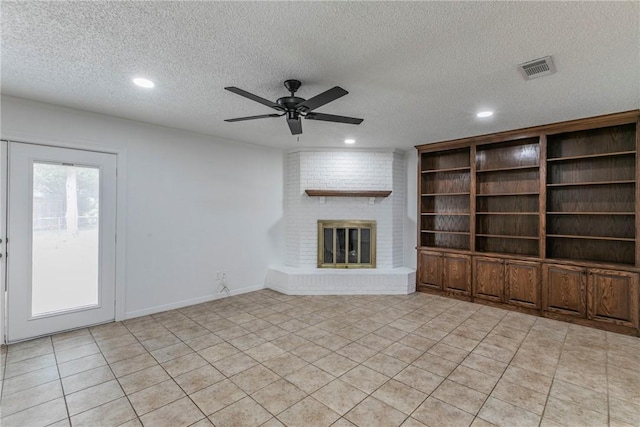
[417,72]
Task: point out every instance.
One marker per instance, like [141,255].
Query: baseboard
[281,289]
[188,302]
[339,292]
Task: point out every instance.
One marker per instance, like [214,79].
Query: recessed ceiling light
[349,141]
[144,82]
[483,114]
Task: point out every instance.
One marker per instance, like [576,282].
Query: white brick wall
[344,170]
[399,203]
[296,281]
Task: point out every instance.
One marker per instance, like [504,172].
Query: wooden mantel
[347,193]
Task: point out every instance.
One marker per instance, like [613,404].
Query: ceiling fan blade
[324,98]
[334,118]
[263,116]
[295,125]
[253,97]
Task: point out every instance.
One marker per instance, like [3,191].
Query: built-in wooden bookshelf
[543,220]
[508,176]
[592,172]
[444,199]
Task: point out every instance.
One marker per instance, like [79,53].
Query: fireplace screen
[346,244]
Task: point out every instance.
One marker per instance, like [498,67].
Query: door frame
[121,209]
[4,161]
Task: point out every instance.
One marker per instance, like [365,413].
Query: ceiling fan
[295,108]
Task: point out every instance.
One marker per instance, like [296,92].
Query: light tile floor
[269,359]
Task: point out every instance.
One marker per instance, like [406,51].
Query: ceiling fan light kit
[294,107]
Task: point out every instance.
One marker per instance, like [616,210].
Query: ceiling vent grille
[537,68]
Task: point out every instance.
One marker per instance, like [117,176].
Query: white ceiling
[417,72]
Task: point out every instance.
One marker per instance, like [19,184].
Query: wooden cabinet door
[612,296]
[564,290]
[488,278]
[522,283]
[456,273]
[430,270]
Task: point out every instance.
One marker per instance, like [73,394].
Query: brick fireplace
[346,244]
[339,172]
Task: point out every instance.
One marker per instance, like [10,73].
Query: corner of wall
[411,208]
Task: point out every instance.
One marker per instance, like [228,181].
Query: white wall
[195,204]
[411,219]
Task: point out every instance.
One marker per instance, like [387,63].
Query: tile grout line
[64,396]
[564,340]
[4,368]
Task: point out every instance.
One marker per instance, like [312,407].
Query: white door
[61,228]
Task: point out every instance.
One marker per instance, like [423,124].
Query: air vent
[537,68]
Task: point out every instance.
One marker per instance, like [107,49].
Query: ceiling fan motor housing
[289,102]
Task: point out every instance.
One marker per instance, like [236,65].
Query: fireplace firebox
[346,244]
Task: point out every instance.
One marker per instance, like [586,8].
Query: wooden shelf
[346,193]
[592,213]
[591,156]
[576,184]
[514,168]
[445,214]
[465,168]
[445,232]
[447,194]
[503,236]
[509,194]
[612,239]
[507,213]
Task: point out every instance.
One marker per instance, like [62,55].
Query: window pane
[340,248]
[365,246]
[353,245]
[328,246]
[65,237]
